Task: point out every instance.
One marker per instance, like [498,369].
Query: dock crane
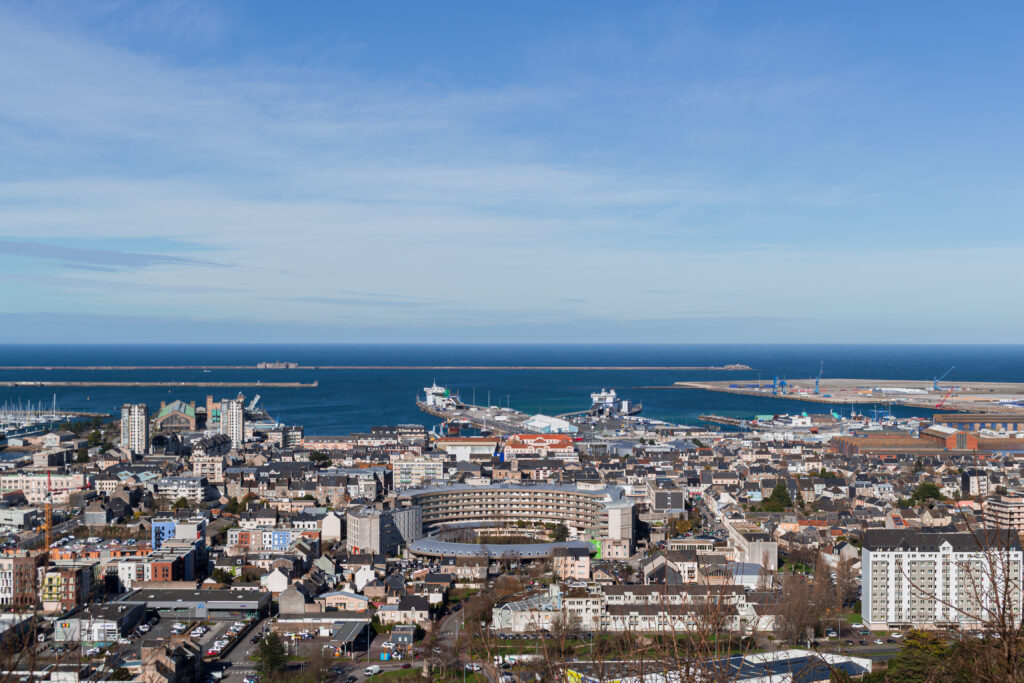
[943,401]
[936,380]
[817,379]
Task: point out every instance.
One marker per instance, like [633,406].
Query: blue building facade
[162,530]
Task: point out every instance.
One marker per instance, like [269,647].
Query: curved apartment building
[600,512]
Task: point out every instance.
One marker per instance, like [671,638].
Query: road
[237,662]
[450,626]
[58,531]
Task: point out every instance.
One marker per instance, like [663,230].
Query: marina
[17,419]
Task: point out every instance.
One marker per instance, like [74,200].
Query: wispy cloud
[677,173]
[97,259]
[368,299]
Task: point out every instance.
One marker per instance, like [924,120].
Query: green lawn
[417,675]
[399,675]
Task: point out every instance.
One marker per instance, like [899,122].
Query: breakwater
[376,367]
[102,383]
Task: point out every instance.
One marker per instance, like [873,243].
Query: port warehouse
[975,422]
[604,511]
[938,440]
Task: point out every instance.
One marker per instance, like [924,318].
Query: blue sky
[748,172]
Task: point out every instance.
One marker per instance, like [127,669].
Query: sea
[354,400]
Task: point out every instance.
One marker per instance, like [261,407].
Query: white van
[372,670]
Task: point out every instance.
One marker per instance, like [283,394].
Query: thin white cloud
[322,186]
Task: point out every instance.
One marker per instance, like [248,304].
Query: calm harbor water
[354,400]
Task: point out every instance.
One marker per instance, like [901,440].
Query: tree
[823,596]
[95,438]
[181,503]
[222,576]
[797,612]
[846,581]
[319,458]
[270,655]
[232,506]
[926,491]
[923,658]
[779,500]
[560,533]
[83,455]
[683,526]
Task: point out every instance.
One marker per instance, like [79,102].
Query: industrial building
[975,422]
[213,604]
[99,624]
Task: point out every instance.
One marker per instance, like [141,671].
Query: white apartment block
[135,427]
[413,470]
[209,466]
[34,486]
[1005,512]
[621,608]
[192,489]
[232,420]
[936,580]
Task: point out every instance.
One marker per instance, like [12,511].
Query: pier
[734,422]
[495,420]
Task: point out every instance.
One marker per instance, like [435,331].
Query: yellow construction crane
[48,513]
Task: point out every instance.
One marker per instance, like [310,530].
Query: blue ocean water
[354,400]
